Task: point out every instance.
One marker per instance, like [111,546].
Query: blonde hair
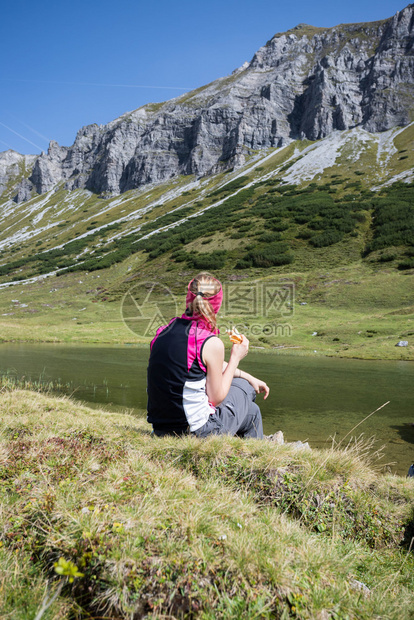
[200,306]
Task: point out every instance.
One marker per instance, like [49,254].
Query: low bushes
[270,255]
[208,260]
[329,237]
[231,186]
[393,219]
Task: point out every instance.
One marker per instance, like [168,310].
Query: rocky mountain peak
[304,83]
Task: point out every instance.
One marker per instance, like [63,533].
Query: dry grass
[183,528]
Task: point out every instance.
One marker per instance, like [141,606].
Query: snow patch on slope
[386,146]
[407,177]
[23,234]
[316,158]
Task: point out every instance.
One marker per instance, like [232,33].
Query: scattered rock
[299,445]
[358,585]
[276,438]
[402,343]
[279,440]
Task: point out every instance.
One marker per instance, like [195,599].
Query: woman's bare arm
[218,381]
[258,384]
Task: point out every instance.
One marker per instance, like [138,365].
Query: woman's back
[192,388]
[176,377]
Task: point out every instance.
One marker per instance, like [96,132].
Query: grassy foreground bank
[126,526]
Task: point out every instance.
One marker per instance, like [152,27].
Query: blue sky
[65,65]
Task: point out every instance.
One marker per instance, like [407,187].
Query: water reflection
[311,399]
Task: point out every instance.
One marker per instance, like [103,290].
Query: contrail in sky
[22,137]
[31,128]
[99,84]
[5,143]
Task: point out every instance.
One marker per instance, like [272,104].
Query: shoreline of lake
[317,399]
[293,351]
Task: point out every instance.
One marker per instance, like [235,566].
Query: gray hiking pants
[238,414]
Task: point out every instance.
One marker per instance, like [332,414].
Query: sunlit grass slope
[127,526]
[335,217]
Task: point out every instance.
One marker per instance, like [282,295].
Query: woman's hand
[238,351]
[259,386]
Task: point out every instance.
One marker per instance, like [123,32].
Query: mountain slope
[305,83]
[77,226]
[333,215]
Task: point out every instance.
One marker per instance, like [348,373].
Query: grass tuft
[127,526]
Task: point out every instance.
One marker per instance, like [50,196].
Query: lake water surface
[310,398]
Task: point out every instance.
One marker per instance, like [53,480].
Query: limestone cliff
[304,83]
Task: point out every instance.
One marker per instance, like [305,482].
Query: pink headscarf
[215,300]
[199,330]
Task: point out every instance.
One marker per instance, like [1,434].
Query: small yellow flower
[66,568]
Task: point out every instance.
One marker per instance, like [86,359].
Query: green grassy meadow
[341,233]
[102,521]
[356,313]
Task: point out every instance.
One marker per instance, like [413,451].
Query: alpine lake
[316,399]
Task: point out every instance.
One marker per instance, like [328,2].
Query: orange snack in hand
[234,335]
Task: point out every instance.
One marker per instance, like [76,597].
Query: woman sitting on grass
[191,389]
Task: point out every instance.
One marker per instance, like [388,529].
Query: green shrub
[272,254]
[329,237]
[301,219]
[269,237]
[230,187]
[277,225]
[304,234]
[389,256]
[358,216]
[317,224]
[406,264]
[180,256]
[244,227]
[208,260]
[393,218]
